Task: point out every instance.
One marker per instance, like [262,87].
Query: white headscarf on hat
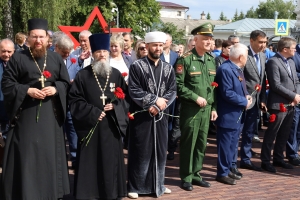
[155,36]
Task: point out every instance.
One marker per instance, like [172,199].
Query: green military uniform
[194,75]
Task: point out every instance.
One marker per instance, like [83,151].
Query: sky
[215,7]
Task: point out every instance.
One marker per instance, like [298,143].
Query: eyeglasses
[142,48]
[38,37]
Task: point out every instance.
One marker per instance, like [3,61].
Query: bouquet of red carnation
[118,94]
[272,118]
[124,74]
[73,60]
[282,107]
[267,85]
[46,74]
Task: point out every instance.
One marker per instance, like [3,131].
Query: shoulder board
[186,54]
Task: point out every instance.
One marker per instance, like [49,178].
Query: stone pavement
[285,184]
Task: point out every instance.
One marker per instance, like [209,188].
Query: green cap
[204,29]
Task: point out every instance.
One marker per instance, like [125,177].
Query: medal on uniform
[112,87]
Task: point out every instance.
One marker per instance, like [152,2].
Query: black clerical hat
[37,24]
[99,41]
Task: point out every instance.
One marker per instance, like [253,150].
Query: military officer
[195,71]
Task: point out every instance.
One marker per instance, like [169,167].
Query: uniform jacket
[231,96]
[283,86]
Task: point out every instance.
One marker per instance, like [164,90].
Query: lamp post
[115,9]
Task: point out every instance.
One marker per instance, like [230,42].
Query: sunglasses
[142,48]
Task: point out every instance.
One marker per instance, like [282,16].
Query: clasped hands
[161,103]
[41,94]
[107,107]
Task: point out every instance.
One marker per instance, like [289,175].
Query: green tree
[222,17]
[208,16]
[241,16]
[235,16]
[251,13]
[177,34]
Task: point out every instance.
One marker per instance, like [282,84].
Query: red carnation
[119,93]
[272,118]
[267,82]
[47,74]
[124,74]
[130,116]
[73,60]
[282,108]
[214,84]
[257,87]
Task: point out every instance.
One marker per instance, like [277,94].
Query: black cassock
[148,136]
[100,171]
[35,165]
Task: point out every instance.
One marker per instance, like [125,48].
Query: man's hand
[263,107]
[201,102]
[153,110]
[85,55]
[161,103]
[108,107]
[249,99]
[101,116]
[213,116]
[36,93]
[296,99]
[49,90]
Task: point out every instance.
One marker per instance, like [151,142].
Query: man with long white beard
[100,121]
[34,86]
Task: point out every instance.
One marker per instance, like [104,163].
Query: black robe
[100,170]
[35,165]
[148,136]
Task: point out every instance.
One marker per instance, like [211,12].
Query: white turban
[155,36]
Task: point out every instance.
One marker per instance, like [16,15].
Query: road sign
[282,27]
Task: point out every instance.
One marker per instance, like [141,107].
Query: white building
[172,10]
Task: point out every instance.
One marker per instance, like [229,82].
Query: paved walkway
[285,184]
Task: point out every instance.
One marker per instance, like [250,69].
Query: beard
[102,68]
[38,53]
[153,55]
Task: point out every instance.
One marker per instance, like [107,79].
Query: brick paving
[285,184]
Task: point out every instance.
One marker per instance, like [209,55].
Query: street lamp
[115,9]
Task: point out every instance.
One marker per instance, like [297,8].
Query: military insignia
[195,73]
[240,78]
[208,25]
[186,54]
[179,69]
[194,68]
[112,87]
[212,72]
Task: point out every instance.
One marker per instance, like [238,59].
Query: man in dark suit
[128,41]
[284,88]
[254,72]
[233,99]
[170,57]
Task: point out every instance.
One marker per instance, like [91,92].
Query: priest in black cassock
[35,83]
[100,170]
[152,87]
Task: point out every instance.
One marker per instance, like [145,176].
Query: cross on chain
[42,80]
[103,97]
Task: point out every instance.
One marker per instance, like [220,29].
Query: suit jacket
[1,74]
[231,96]
[252,77]
[173,57]
[283,86]
[72,67]
[219,61]
[127,59]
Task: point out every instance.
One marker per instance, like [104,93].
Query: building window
[178,13]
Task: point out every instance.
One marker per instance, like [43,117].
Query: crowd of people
[107,95]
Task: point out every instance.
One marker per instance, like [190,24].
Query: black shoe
[268,167]
[187,186]
[282,164]
[201,183]
[295,161]
[234,176]
[170,155]
[250,166]
[226,180]
[254,154]
[236,171]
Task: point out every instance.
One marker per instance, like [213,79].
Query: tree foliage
[222,17]
[208,16]
[177,34]
[235,16]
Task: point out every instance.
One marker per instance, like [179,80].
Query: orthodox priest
[100,170]
[152,87]
[35,83]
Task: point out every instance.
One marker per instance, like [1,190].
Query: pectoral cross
[103,97]
[42,80]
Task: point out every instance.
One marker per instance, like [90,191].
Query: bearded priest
[35,83]
[100,121]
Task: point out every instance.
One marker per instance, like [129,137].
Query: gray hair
[232,37]
[7,40]
[85,33]
[64,42]
[56,35]
[237,50]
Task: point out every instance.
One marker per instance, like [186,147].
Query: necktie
[4,64]
[257,63]
[288,67]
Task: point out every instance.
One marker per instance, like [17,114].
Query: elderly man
[284,88]
[195,71]
[6,51]
[84,52]
[233,99]
[100,121]
[191,44]
[152,88]
[35,84]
